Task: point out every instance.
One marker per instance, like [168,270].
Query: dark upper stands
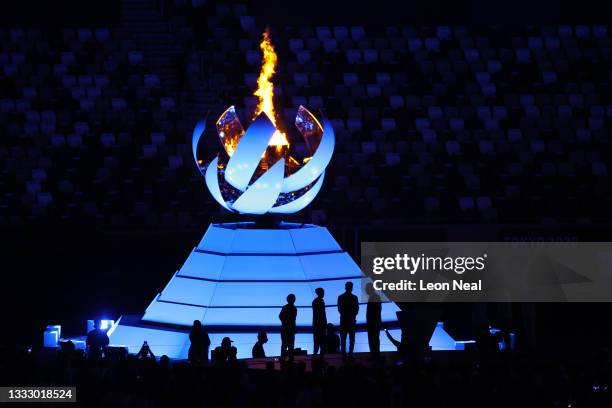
[90,133]
[436,123]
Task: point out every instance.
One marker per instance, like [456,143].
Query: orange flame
[265,88]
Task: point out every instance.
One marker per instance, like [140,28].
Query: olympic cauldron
[236,279]
[257,173]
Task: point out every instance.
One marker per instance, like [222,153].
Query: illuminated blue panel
[190,291]
[266,316]
[171,343]
[248,294]
[203,265]
[441,340]
[217,239]
[247,267]
[325,266]
[300,239]
[262,194]
[50,338]
[263,241]
[257,316]
[389,312]
[317,163]
[212,181]
[267,257]
[313,239]
[301,202]
[173,313]
[245,159]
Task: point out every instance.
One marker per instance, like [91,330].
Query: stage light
[441,340]
[52,335]
[106,324]
[90,326]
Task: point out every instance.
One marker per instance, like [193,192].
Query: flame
[265,88]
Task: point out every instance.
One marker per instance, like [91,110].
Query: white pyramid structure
[236,281]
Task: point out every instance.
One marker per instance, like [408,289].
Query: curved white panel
[299,203]
[316,165]
[198,131]
[247,155]
[262,194]
[212,181]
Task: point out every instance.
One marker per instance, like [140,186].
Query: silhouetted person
[97,340]
[287,317]
[200,343]
[319,322]
[332,341]
[258,349]
[225,352]
[373,319]
[348,306]
[67,353]
[145,352]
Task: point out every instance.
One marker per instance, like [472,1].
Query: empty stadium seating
[446,123]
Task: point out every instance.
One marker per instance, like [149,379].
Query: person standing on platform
[348,307]
[200,343]
[258,349]
[373,319]
[319,322]
[287,317]
[97,340]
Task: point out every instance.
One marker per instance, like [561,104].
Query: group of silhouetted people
[324,338]
[324,334]
[200,345]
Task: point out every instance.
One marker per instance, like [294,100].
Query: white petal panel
[212,181]
[246,157]
[316,165]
